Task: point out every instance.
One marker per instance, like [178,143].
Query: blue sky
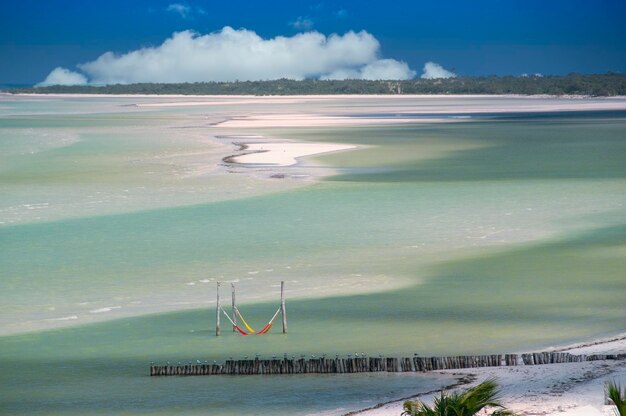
[468,37]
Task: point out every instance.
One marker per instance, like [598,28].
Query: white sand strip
[259,100]
[427,111]
[319,120]
[284,154]
[569,389]
[572,389]
[187,97]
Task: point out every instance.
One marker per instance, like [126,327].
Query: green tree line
[610,84]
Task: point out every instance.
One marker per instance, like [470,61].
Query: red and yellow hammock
[264,330]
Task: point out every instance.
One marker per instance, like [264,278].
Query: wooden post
[283,312]
[217,315]
[232,286]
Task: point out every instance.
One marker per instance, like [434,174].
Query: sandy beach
[282,154]
[570,389]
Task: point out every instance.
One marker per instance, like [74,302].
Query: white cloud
[183,10]
[302,23]
[433,70]
[387,69]
[376,70]
[62,76]
[229,55]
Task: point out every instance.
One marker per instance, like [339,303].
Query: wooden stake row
[371,364]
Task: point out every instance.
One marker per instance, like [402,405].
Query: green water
[487,235]
[102,370]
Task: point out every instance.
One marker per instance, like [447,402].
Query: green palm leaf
[466,403]
[618,397]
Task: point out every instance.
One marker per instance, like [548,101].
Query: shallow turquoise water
[519,300]
[482,236]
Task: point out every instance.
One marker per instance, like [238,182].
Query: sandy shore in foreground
[572,389]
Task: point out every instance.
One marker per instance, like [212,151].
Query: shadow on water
[103,367]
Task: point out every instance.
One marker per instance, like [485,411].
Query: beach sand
[394,110]
[283,153]
[571,389]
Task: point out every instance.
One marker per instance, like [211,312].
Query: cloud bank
[62,76]
[229,55]
[433,70]
[378,69]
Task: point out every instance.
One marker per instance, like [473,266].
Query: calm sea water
[489,234]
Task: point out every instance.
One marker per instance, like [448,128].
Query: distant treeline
[610,84]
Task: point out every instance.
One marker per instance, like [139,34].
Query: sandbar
[283,153]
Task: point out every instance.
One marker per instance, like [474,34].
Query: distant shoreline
[310,96]
[609,84]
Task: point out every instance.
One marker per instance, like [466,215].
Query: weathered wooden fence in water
[370,364]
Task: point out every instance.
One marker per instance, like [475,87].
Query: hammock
[264,330]
[243,320]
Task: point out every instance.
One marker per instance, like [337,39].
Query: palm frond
[503,413]
[417,408]
[617,396]
[482,396]
[467,403]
